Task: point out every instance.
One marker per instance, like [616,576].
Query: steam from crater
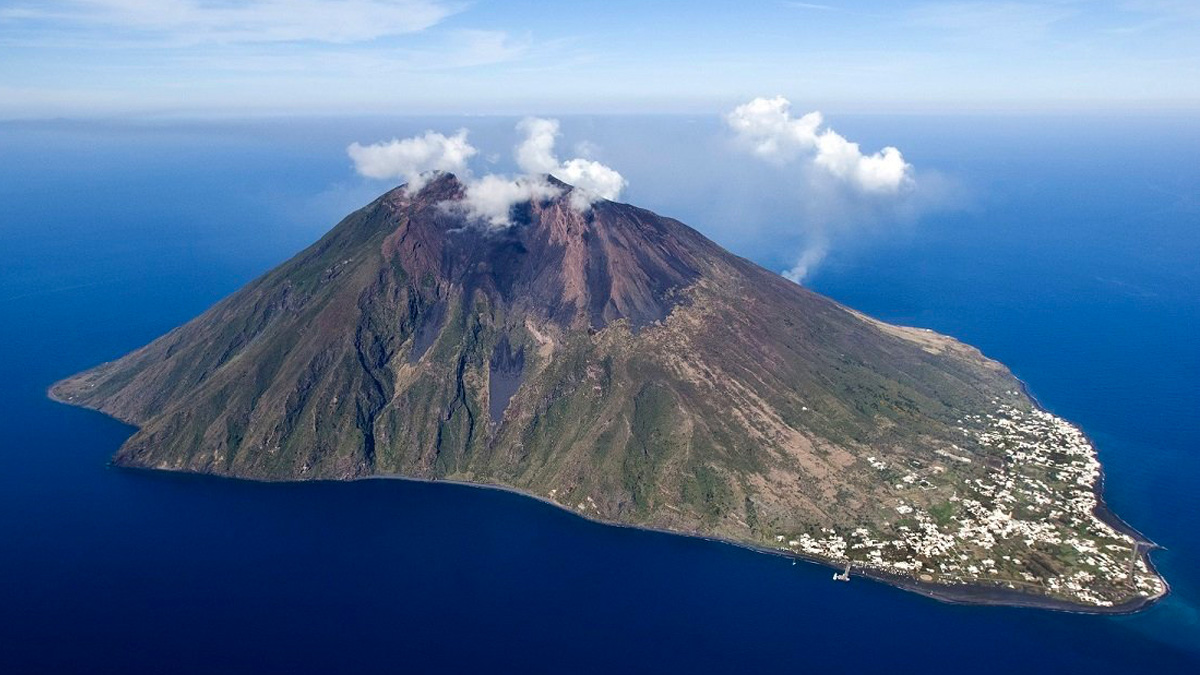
[535,156]
[412,159]
[490,197]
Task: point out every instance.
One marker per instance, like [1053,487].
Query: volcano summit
[623,366]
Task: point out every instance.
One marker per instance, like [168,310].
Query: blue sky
[112,57]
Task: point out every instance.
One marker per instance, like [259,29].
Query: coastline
[1106,514]
[959,594]
[964,594]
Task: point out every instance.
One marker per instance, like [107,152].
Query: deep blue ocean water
[1068,249]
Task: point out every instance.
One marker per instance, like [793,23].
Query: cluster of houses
[1023,520]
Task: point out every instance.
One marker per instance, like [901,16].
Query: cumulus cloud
[768,127]
[412,158]
[592,180]
[844,192]
[491,197]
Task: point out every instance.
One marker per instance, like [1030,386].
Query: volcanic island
[621,365]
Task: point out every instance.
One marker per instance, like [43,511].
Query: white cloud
[409,159]
[245,21]
[592,180]
[772,133]
[492,197]
[535,154]
[884,171]
[845,193]
[768,126]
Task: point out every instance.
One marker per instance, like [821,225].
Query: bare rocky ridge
[620,364]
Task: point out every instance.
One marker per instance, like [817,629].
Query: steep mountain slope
[624,366]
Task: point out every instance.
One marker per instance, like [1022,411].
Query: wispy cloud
[1181,10]
[469,48]
[1149,15]
[192,22]
[1004,23]
[417,56]
[809,5]
[447,50]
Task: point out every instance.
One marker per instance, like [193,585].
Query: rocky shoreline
[964,594]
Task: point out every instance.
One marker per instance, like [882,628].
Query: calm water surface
[1071,255]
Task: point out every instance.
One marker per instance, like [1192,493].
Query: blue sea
[1066,247]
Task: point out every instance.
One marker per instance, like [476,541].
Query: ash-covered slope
[622,365]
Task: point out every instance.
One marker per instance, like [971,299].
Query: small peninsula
[623,366]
